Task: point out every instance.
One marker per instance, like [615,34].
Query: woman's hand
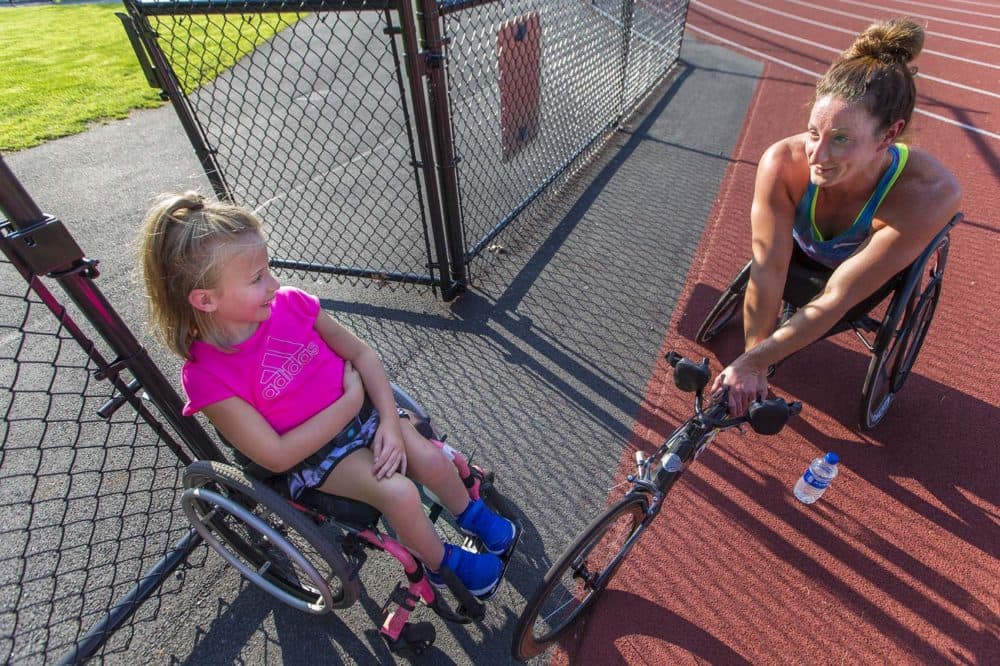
[388,448]
[746,382]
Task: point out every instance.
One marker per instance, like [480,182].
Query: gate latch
[46,246]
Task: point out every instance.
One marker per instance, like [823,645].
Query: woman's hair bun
[897,40]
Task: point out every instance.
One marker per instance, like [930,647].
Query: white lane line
[803,70]
[785,35]
[978,63]
[992,14]
[907,12]
[872,18]
[827,26]
[992,5]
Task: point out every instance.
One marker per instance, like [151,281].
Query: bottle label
[815,481]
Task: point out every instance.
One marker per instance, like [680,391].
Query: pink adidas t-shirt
[285,369]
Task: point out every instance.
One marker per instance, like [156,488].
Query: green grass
[63,67]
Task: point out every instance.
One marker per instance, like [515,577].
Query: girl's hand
[746,383]
[389,449]
[352,378]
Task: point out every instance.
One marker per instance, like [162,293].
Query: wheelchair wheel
[575,581]
[901,336]
[725,308]
[269,541]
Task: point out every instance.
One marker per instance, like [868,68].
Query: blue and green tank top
[833,251]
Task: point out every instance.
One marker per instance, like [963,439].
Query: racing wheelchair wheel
[902,333]
[725,308]
[578,577]
[273,544]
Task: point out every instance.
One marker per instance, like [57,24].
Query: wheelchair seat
[344,509]
[806,278]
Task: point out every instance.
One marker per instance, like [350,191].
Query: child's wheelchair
[308,553]
[894,340]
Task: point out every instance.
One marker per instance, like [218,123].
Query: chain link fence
[89,471]
[395,140]
[87,504]
[298,110]
[536,86]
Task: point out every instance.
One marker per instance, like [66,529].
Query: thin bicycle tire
[528,642]
[725,309]
[896,351]
[916,333]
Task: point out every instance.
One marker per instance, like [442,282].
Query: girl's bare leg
[396,497]
[431,468]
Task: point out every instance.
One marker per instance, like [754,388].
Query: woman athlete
[845,195]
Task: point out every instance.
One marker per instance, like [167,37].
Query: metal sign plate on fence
[518,53]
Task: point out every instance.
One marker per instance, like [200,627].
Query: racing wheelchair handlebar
[766,417]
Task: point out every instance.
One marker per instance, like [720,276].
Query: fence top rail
[184,7]
[453,6]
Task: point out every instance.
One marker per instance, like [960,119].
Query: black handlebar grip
[794,408]
[673,358]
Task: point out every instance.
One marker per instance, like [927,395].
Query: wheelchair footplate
[470,607]
[505,557]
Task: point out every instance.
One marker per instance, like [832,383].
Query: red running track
[898,562]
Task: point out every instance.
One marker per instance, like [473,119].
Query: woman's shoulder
[922,166]
[783,169]
[788,151]
[926,187]
[924,197]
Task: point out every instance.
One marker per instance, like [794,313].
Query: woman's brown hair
[875,71]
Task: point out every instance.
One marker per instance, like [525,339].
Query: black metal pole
[141,32]
[628,12]
[444,143]
[15,200]
[45,247]
[415,67]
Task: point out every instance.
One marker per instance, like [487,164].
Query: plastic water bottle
[811,485]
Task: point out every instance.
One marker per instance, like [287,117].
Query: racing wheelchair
[308,553]
[894,340]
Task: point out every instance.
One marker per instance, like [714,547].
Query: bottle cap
[832,458]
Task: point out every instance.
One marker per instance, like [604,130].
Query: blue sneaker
[480,572]
[496,532]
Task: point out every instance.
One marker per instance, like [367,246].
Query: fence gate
[90,525]
[369,168]
[302,110]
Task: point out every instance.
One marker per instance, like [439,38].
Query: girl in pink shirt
[292,389]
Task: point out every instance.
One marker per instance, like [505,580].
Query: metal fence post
[628,13]
[444,142]
[415,69]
